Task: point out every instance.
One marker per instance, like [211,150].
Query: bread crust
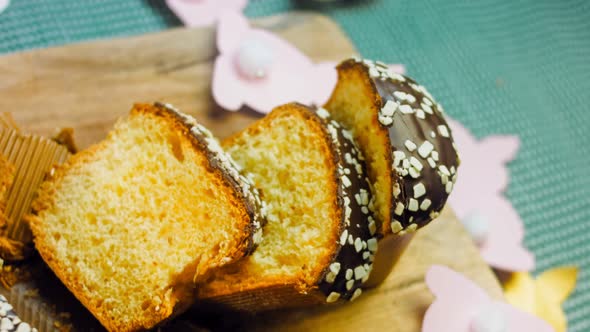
[181,287]
[329,282]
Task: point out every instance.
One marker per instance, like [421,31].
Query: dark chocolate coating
[222,162]
[417,119]
[357,244]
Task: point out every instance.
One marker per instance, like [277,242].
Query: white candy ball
[489,318]
[254,59]
[478,226]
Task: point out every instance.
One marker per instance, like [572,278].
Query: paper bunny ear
[3,5]
[522,321]
[445,283]
[196,13]
[503,248]
[559,283]
[230,31]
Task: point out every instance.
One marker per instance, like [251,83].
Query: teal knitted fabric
[499,67]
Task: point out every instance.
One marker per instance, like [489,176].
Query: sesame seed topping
[419,190]
[410,145]
[413,205]
[356,294]
[359,272]
[443,130]
[425,204]
[399,208]
[389,108]
[425,149]
[333,297]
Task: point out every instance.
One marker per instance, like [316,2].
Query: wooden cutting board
[88,86]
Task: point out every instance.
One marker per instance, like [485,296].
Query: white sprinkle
[400,95]
[323,113]
[444,179]
[349,274]
[412,228]
[364,197]
[335,268]
[435,155]
[426,108]
[343,237]
[431,162]
[410,145]
[406,109]
[416,163]
[372,226]
[349,284]
[389,108]
[330,277]
[399,208]
[419,190]
[406,163]
[425,204]
[346,181]
[364,245]
[434,214]
[372,244]
[333,297]
[396,226]
[420,114]
[443,169]
[359,272]
[24,327]
[373,72]
[366,255]
[427,101]
[425,149]
[449,187]
[413,205]
[443,130]
[357,197]
[433,134]
[410,98]
[385,120]
[364,210]
[6,323]
[358,245]
[414,173]
[396,190]
[356,294]
[453,170]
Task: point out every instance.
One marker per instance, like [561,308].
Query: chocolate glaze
[230,171]
[426,171]
[352,261]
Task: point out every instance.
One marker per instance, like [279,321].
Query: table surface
[499,67]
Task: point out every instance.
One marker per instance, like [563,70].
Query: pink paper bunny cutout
[258,69]
[461,306]
[198,13]
[479,202]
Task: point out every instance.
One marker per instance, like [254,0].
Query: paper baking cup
[6,121]
[33,157]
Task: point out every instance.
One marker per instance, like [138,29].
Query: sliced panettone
[411,157]
[131,223]
[319,242]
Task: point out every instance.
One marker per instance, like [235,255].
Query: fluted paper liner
[32,156]
[6,121]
